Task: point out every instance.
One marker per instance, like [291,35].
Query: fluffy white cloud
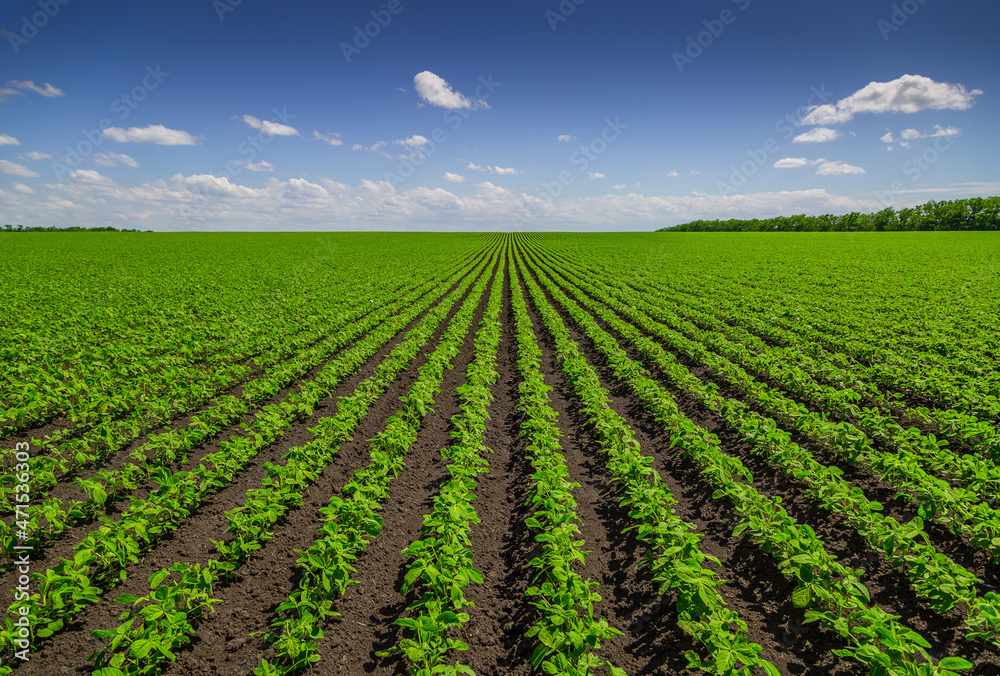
[375,148]
[415,141]
[15,169]
[154,133]
[34,156]
[791,163]
[433,89]
[7,140]
[908,135]
[205,202]
[833,168]
[906,94]
[595,174]
[90,177]
[6,93]
[565,138]
[22,188]
[332,139]
[270,128]
[111,159]
[947,131]
[45,90]
[673,173]
[493,170]
[453,178]
[620,186]
[263,165]
[817,135]
[823,166]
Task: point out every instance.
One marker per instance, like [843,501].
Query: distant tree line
[72,228]
[976,213]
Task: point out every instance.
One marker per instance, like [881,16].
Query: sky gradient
[410,115]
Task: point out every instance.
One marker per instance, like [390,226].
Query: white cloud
[154,133]
[90,177]
[15,169]
[832,168]
[111,159]
[493,170]
[375,148]
[332,139]
[823,166]
[817,135]
[270,128]
[22,188]
[205,202]
[565,138]
[620,186]
[906,94]
[453,178]
[947,131]
[673,173]
[34,156]
[263,165]
[434,90]
[7,92]
[908,135]
[595,174]
[45,90]
[415,141]
[7,140]
[791,163]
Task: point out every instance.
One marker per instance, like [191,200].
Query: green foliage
[976,213]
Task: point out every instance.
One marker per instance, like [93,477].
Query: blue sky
[402,114]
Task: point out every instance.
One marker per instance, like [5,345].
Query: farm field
[637,453]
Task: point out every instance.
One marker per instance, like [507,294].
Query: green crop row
[833,593]
[674,556]
[934,576]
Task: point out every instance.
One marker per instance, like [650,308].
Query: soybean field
[500,454]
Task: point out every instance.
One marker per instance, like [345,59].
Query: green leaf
[801,597]
[955,663]
[157,578]
[770,669]
[447,617]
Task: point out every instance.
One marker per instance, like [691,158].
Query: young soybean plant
[442,559]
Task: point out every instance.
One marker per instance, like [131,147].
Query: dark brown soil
[227,641]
